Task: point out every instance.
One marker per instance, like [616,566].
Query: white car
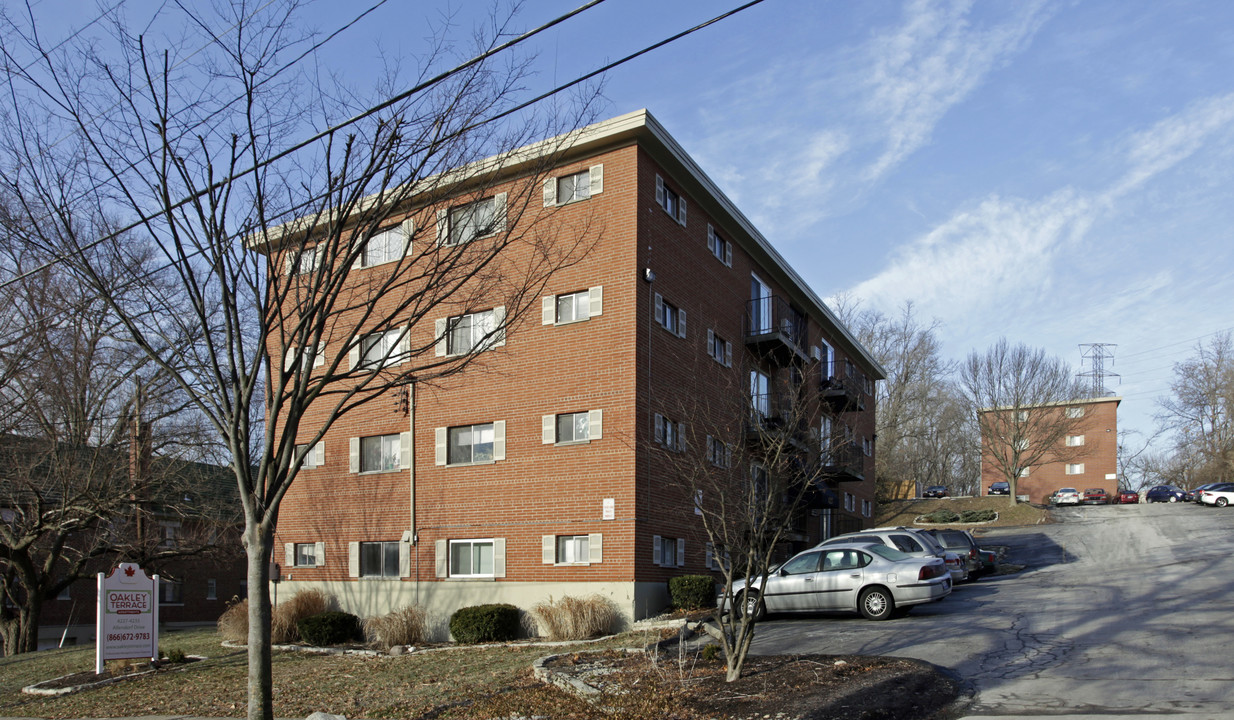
[1220,498]
[1066,496]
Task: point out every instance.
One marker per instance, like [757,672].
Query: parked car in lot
[963,544]
[1163,493]
[1065,496]
[1096,496]
[1125,497]
[935,491]
[999,488]
[870,578]
[912,541]
[1218,497]
[1194,495]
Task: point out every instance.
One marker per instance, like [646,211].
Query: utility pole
[1095,355]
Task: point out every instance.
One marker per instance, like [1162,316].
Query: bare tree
[1199,412]
[757,459]
[259,299]
[1019,397]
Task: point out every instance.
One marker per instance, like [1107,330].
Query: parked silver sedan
[877,581]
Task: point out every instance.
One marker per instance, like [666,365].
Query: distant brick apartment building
[1089,453]
[544,470]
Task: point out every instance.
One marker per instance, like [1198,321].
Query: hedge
[485,623]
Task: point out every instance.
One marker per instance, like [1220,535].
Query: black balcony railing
[844,464]
[775,330]
[775,415]
[843,393]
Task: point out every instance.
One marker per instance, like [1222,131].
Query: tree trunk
[257,545]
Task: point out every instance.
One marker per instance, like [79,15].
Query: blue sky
[1055,172]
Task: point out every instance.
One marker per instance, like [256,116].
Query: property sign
[127,622]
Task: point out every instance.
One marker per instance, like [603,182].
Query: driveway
[1120,610]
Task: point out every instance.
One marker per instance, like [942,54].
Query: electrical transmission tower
[1095,355]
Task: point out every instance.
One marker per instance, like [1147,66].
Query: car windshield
[889,553]
[1067,490]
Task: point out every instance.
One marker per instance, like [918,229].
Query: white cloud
[931,63]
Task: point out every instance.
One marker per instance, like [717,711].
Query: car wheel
[876,603]
[751,604]
[1222,502]
[1173,498]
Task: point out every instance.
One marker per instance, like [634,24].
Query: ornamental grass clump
[574,618]
[233,624]
[287,614]
[405,626]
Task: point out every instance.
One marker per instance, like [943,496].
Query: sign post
[127,621]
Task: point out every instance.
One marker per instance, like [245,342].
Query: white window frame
[449,227]
[1075,412]
[668,434]
[1075,440]
[592,306]
[472,543]
[212,589]
[395,244]
[664,549]
[719,453]
[671,201]
[392,441]
[171,592]
[573,550]
[296,265]
[1074,469]
[867,508]
[304,555]
[594,183]
[383,348]
[669,316]
[721,249]
[491,325]
[310,358]
[719,349]
[387,546]
[471,430]
[1024,472]
[314,456]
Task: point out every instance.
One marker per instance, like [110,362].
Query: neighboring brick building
[542,471]
[1088,458]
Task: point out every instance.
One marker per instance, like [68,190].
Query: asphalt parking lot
[1120,610]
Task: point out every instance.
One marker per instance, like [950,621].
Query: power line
[1180,342]
[385,104]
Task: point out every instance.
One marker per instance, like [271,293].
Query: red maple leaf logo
[129,571]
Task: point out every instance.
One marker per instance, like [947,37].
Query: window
[461,225]
[722,249]
[668,552]
[65,593]
[573,307]
[379,559]
[670,201]
[1021,415]
[1075,440]
[572,427]
[382,349]
[470,444]
[1075,412]
[760,395]
[573,549]
[574,187]
[212,589]
[305,555]
[907,543]
[867,446]
[850,501]
[867,508]
[669,434]
[669,316]
[1075,468]
[171,592]
[170,533]
[310,358]
[719,349]
[719,454]
[802,564]
[380,453]
[471,558]
[475,332]
[1024,472]
[314,455]
[386,246]
[303,261]
[1021,444]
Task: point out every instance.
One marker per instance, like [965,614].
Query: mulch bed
[788,687]
[120,672]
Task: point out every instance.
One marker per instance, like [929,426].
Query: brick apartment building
[543,470]
[1088,457]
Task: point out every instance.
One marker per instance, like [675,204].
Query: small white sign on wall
[1111,476]
[127,621]
[610,509]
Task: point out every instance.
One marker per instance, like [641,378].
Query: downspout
[415,539]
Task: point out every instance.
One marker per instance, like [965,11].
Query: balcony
[775,331]
[845,464]
[844,393]
[772,417]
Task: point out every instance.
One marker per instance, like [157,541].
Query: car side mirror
[782,572]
